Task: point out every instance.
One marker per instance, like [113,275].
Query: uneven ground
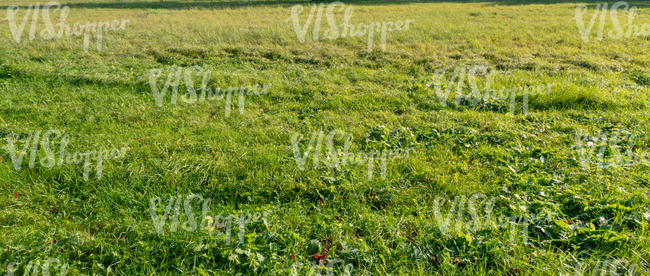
[579,215]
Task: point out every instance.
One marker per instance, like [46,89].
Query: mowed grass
[244,162]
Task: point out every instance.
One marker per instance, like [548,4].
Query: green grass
[244,163]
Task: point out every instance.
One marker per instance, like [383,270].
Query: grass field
[484,188]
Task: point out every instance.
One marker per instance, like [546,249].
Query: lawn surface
[577,215]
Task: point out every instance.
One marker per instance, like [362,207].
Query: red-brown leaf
[321,257]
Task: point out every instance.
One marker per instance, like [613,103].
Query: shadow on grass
[178,5]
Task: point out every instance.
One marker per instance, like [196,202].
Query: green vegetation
[525,163]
